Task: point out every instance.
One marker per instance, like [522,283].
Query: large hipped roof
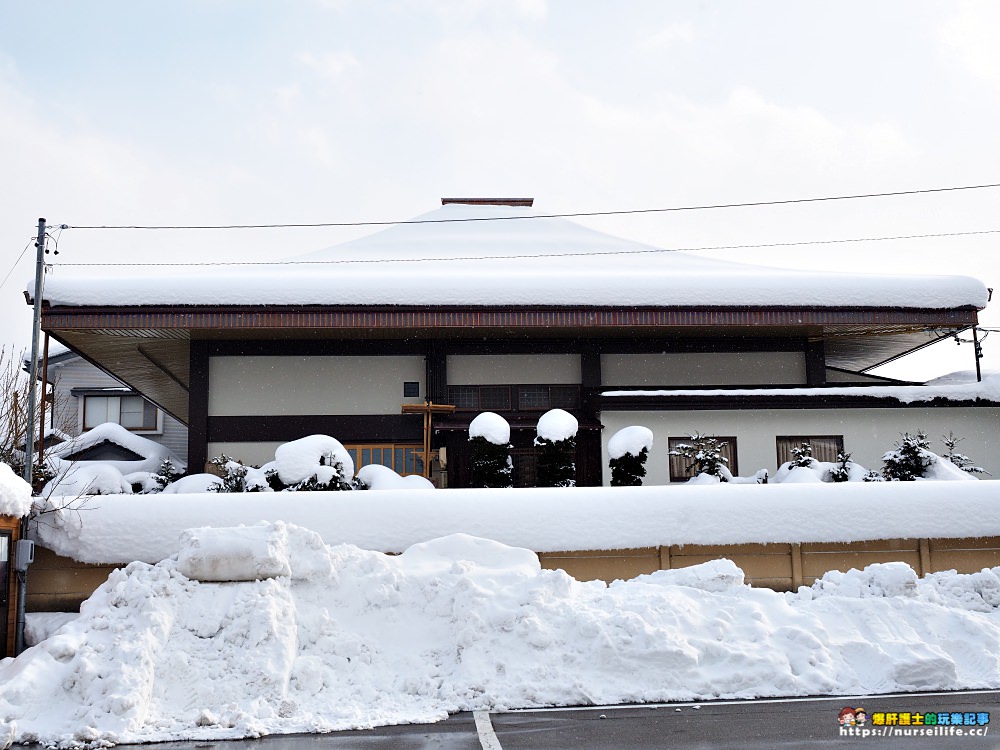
[508,255]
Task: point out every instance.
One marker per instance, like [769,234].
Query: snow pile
[240,554]
[15,493]
[976,592]
[491,427]
[353,639]
[630,440]
[378,477]
[556,425]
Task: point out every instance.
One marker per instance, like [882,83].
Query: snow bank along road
[264,629]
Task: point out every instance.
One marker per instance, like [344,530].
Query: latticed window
[514,397]
[402,459]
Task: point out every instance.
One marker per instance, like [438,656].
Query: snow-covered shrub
[88,478]
[378,477]
[910,460]
[166,474]
[628,450]
[193,484]
[555,449]
[316,462]
[489,440]
[960,459]
[802,457]
[232,472]
[804,469]
[841,470]
[703,455]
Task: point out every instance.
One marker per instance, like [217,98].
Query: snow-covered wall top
[15,494]
[509,261]
[120,529]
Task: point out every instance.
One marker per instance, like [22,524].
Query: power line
[15,264]
[644,251]
[705,207]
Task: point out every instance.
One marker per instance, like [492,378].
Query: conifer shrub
[703,455]
[910,460]
[628,469]
[555,449]
[491,464]
[960,460]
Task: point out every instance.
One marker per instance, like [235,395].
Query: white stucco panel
[704,369]
[283,385]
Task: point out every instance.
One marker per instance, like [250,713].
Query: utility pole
[21,565]
[29,442]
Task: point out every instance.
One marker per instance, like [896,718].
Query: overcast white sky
[249,111]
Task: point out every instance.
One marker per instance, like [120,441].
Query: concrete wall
[704,369]
[868,433]
[241,386]
[58,584]
[513,369]
[783,567]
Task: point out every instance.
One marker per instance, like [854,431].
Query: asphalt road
[720,725]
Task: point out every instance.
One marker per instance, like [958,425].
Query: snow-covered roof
[957,386]
[500,255]
[151,452]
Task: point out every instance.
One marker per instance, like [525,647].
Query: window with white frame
[131,412]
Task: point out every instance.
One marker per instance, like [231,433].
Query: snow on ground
[336,637]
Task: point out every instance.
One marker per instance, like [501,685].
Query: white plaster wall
[513,369]
[311,385]
[868,433]
[704,369]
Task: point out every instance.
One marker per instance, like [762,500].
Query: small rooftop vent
[527,202]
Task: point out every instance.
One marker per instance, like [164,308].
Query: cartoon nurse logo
[846,717]
[860,716]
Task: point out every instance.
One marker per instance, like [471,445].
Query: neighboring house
[485,306]
[85,397]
